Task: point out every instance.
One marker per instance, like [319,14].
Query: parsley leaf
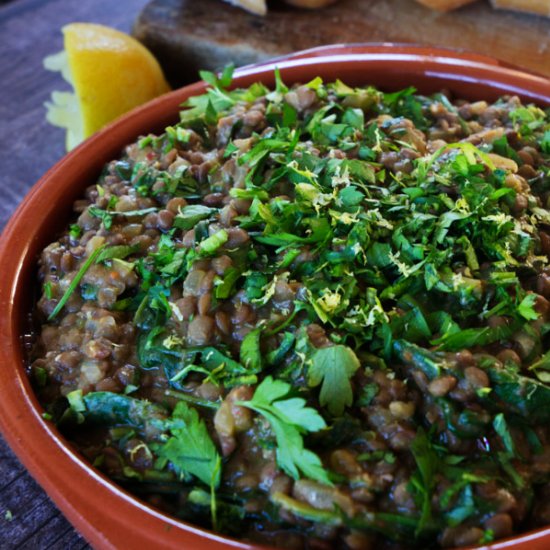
[190,449]
[289,419]
[76,281]
[423,481]
[214,359]
[251,356]
[225,287]
[525,308]
[223,81]
[118,252]
[541,368]
[190,215]
[368,393]
[215,241]
[333,366]
[501,427]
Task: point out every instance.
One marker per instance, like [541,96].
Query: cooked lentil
[314,318]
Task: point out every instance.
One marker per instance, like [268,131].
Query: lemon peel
[110,73]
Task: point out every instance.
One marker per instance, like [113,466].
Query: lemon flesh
[110,73]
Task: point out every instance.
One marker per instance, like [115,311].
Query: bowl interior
[105,514]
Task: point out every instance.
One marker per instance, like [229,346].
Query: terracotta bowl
[105,514]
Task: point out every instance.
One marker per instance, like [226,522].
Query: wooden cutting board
[187,35]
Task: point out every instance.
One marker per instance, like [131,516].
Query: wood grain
[187,35]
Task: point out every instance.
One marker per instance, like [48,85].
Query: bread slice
[541,7]
[446,5]
[257,7]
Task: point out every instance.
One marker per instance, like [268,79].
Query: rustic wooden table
[30,30]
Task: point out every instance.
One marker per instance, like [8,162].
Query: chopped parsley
[368,269]
[289,418]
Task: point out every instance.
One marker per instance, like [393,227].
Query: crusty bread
[445,5]
[541,7]
[258,7]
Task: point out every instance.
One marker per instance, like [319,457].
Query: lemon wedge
[110,73]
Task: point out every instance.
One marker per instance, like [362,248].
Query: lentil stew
[314,317]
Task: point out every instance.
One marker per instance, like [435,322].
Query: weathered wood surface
[30,30]
[28,520]
[187,35]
